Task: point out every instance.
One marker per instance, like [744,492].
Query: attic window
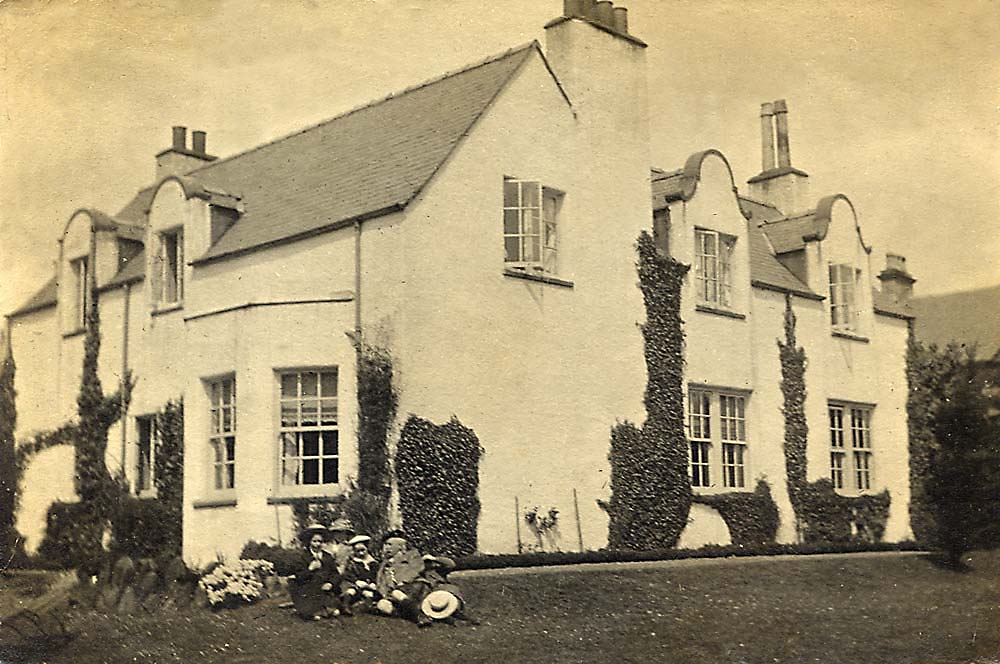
[81,291]
[844,310]
[170,269]
[530,225]
[713,267]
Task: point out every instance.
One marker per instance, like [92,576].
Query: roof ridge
[381,100]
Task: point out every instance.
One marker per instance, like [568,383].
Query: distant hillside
[968,317]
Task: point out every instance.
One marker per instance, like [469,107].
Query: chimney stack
[178,159]
[767,136]
[198,142]
[896,281]
[781,124]
[606,13]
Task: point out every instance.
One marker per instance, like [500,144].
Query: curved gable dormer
[708,231]
[174,211]
[841,267]
[76,263]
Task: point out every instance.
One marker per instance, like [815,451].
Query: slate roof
[968,317]
[368,161]
[787,234]
[44,298]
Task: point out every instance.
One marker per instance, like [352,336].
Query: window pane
[289,414]
[510,222]
[310,471]
[230,449]
[532,250]
[310,412]
[330,475]
[530,194]
[290,471]
[510,193]
[328,414]
[310,384]
[511,246]
[310,443]
[289,385]
[289,445]
[330,443]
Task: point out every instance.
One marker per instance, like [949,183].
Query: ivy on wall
[821,514]
[751,516]
[650,487]
[377,401]
[8,454]
[437,468]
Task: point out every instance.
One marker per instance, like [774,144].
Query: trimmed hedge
[73,534]
[650,487]
[751,516]
[145,528]
[545,559]
[437,468]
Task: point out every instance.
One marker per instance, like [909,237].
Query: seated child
[357,584]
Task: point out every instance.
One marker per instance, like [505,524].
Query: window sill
[707,309]
[844,334]
[146,494]
[717,489]
[74,333]
[213,503]
[325,498]
[553,281]
[168,308]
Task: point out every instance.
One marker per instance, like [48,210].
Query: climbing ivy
[437,468]
[751,516]
[650,488]
[822,514]
[8,461]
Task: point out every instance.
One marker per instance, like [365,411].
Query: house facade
[481,228]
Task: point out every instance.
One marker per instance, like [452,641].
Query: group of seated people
[337,575]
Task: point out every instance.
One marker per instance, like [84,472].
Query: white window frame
[717,437]
[851,453]
[844,310]
[713,267]
[531,225]
[145,464]
[222,431]
[80,269]
[170,270]
[313,410]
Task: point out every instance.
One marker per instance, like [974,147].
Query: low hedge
[285,560]
[543,559]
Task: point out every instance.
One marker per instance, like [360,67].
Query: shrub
[751,516]
[145,528]
[437,467]
[285,560]
[650,488]
[73,534]
[229,585]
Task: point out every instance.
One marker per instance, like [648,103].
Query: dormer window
[713,260]
[170,272]
[81,290]
[530,225]
[844,310]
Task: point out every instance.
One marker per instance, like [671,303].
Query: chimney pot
[606,13]
[781,127]
[588,9]
[180,138]
[895,262]
[573,8]
[198,142]
[767,136]
[621,20]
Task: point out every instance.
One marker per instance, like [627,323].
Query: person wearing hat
[358,580]
[397,578]
[341,530]
[314,585]
[442,599]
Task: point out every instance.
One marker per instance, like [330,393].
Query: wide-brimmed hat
[359,539]
[341,526]
[443,562]
[314,529]
[440,604]
[394,534]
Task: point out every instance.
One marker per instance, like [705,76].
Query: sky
[894,103]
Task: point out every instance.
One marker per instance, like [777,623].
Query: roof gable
[368,161]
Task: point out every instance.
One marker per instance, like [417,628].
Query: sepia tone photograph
[568,331]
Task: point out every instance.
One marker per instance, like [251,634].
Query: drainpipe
[125,315]
[357,277]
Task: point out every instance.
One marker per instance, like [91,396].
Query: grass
[837,610]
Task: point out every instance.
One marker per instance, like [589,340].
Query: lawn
[840,610]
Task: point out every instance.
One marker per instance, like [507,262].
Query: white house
[481,227]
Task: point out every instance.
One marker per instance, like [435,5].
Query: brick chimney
[896,281]
[778,183]
[178,159]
